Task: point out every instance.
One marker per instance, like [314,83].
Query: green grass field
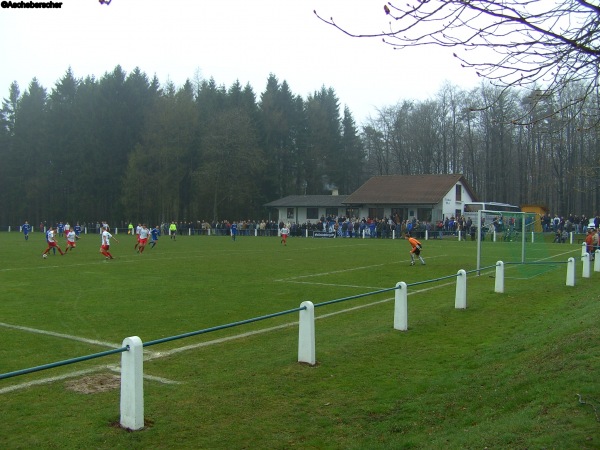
[513,370]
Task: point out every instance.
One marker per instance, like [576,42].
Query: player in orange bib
[415,250]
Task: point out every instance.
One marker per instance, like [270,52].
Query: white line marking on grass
[320,274]
[63,336]
[312,283]
[117,369]
[79,373]
[17,387]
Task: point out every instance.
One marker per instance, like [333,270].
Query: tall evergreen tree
[34,171]
[281,119]
[323,147]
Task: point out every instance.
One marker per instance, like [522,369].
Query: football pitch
[241,386]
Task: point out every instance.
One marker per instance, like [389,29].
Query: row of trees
[126,148]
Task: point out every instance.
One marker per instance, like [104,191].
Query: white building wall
[447,207]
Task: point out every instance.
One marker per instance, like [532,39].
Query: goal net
[503,236]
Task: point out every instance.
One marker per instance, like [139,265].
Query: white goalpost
[512,223]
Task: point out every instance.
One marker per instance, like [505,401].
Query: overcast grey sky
[228,40]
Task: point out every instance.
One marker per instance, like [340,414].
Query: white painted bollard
[460,302]
[583,249]
[132,384]
[571,270]
[587,266]
[597,261]
[571,236]
[499,285]
[306,334]
[401,307]
[532,237]
[426,235]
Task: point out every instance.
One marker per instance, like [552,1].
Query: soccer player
[284,235]
[173,230]
[53,248]
[416,249]
[77,229]
[51,237]
[233,230]
[26,228]
[154,234]
[144,233]
[71,237]
[137,236]
[105,245]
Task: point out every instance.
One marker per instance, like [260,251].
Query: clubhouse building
[422,197]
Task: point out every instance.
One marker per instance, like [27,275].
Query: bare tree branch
[547,43]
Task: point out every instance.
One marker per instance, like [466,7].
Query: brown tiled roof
[309,201]
[406,189]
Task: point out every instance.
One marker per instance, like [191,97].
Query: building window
[290,213]
[458,193]
[424,214]
[399,214]
[376,213]
[331,212]
[312,213]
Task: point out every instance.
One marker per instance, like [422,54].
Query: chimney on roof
[334,192]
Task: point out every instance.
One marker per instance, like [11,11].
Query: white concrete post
[132,384]
[460,301]
[401,307]
[532,237]
[306,334]
[426,235]
[571,272]
[597,261]
[587,266]
[583,249]
[499,286]
[571,235]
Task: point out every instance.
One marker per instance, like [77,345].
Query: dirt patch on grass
[94,383]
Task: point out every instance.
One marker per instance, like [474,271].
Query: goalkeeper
[416,249]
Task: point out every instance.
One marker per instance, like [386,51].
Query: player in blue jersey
[26,228]
[234,231]
[77,229]
[154,234]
